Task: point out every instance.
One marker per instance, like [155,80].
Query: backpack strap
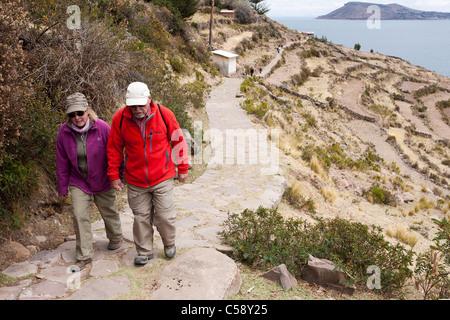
[162,116]
[167,128]
[121,120]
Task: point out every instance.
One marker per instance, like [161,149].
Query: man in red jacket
[151,137]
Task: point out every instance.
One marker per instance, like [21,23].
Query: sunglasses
[143,106]
[78,113]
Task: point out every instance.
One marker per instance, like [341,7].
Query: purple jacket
[67,172]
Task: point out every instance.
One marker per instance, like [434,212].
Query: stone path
[242,173]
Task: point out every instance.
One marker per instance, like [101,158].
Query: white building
[228,13]
[225,61]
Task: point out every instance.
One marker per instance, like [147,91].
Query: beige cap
[137,94]
[76,102]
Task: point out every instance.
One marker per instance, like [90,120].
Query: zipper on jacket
[145,148]
[151,139]
[168,159]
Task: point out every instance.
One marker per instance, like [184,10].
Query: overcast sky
[314,8]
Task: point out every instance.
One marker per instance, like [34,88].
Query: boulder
[323,272]
[281,275]
[16,251]
[342,183]
[407,197]
[199,274]
[20,269]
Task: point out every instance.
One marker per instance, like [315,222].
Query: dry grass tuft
[401,233]
[317,167]
[329,193]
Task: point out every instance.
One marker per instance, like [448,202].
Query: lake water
[424,43]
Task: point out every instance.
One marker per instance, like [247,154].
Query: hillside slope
[358,11]
[372,121]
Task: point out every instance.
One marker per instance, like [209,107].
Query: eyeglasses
[78,113]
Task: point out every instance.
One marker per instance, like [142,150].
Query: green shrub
[425,91]
[182,9]
[430,276]
[379,196]
[443,104]
[247,85]
[258,111]
[442,239]
[334,154]
[354,247]
[178,65]
[264,238]
[195,90]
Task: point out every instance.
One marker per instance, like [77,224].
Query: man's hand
[182,177]
[117,185]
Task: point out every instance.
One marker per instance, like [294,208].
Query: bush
[51,61]
[177,64]
[379,196]
[182,8]
[28,123]
[244,12]
[425,91]
[297,200]
[429,276]
[264,238]
[443,104]
[302,77]
[247,85]
[258,111]
[442,239]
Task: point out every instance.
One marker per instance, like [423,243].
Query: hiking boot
[170,251]
[142,260]
[80,265]
[114,245]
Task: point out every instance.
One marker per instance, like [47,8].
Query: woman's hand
[117,185]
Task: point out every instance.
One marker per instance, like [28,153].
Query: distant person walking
[252,71]
[148,132]
[81,166]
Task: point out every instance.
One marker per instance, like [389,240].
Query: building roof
[227,11]
[225,54]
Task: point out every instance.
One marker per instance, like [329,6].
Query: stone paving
[242,173]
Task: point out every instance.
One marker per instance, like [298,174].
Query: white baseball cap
[137,94]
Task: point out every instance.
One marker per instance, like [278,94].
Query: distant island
[358,11]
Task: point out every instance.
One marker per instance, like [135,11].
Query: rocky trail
[236,178]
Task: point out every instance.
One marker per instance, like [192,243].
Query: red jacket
[148,155]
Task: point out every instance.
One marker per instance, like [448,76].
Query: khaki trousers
[152,206]
[82,223]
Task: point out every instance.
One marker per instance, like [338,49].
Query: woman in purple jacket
[81,166]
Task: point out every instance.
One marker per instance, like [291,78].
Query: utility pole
[211,23]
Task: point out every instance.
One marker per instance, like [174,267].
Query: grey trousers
[81,219]
[152,206]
